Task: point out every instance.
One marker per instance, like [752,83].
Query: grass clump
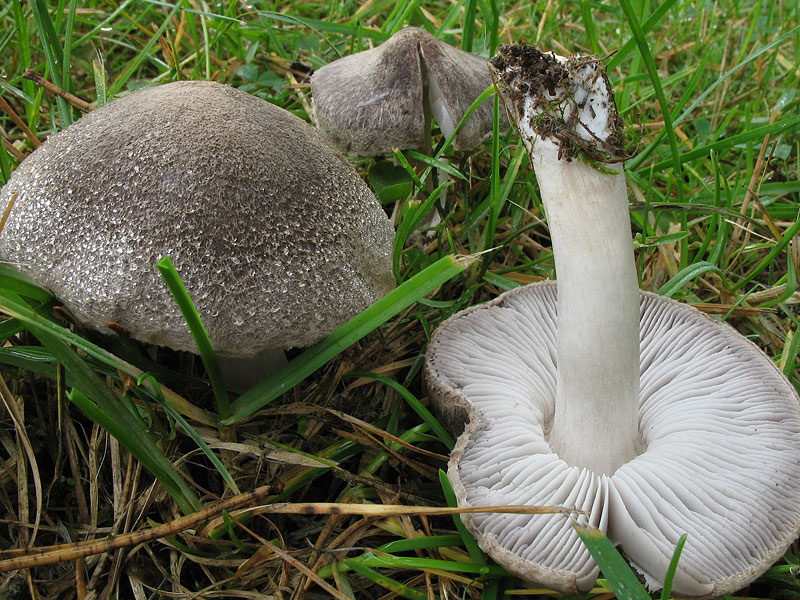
[708,89]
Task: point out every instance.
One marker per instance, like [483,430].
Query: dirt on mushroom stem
[526,66]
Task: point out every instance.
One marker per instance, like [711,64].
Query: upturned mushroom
[373,101]
[275,235]
[648,416]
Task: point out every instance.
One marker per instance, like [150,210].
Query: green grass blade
[791,284]
[485,95]
[655,80]
[107,409]
[410,220]
[33,359]
[712,233]
[133,65]
[206,46]
[653,20]
[499,281]
[673,566]
[420,543]
[66,52]
[134,439]
[5,164]
[509,181]
[475,553]
[436,164]
[388,583]
[726,141]
[190,431]
[493,589]
[319,26]
[685,275]
[754,133]
[790,356]
[494,27]
[403,162]
[413,562]
[723,230]
[100,78]
[495,203]
[53,53]
[229,529]
[416,434]
[199,334]
[109,19]
[49,38]
[395,25]
[368,320]
[619,575]
[789,35]
[468,31]
[342,582]
[415,405]
[19,283]
[788,235]
[691,86]
[15,307]
[588,25]
[24,49]
[405,545]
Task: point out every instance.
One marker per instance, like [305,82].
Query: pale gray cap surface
[718,422]
[371,102]
[275,235]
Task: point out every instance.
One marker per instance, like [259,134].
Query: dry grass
[725,226]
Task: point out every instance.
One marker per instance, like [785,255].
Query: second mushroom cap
[373,101]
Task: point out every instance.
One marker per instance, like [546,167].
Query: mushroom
[275,235]
[648,416]
[373,101]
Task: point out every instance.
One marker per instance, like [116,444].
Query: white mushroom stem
[597,397]
[597,394]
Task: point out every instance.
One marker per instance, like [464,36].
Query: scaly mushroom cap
[719,426]
[275,235]
[371,102]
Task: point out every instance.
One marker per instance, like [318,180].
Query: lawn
[103,436]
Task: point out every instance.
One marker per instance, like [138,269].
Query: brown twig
[384,510]
[50,555]
[7,210]
[729,309]
[12,149]
[81,105]
[9,110]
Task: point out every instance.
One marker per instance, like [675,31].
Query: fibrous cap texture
[275,236]
[718,424]
[371,102]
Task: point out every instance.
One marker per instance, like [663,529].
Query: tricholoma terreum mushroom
[650,417]
[373,101]
[275,235]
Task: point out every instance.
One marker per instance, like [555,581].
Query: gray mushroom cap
[276,237]
[718,423]
[373,101]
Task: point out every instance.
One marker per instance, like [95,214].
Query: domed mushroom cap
[373,101]
[718,426]
[274,234]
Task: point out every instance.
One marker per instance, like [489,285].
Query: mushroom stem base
[244,372]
